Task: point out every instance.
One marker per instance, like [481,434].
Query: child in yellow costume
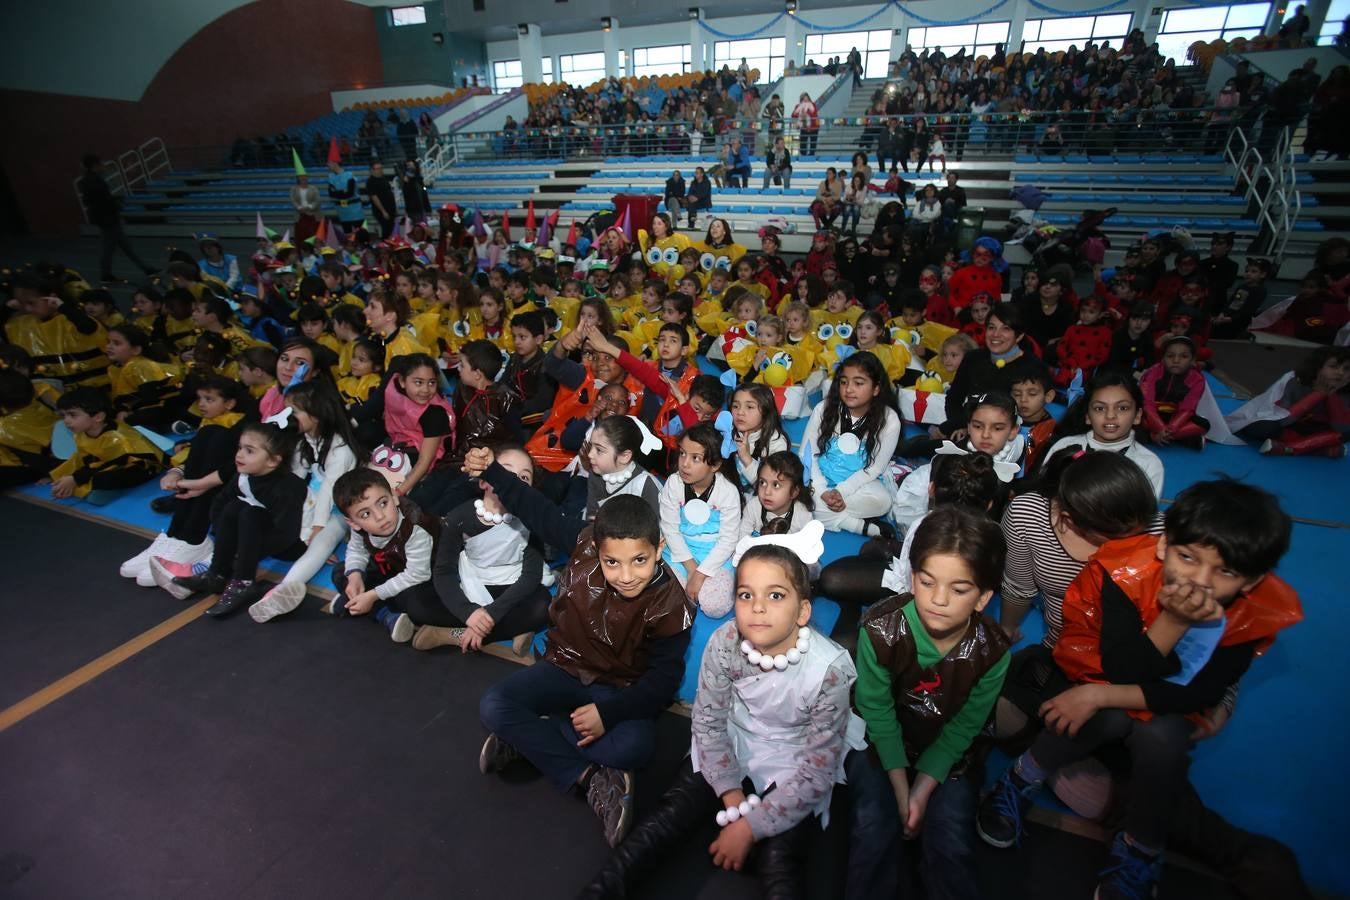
[366,374]
[25,431]
[447,324]
[387,315]
[931,335]
[136,381]
[495,326]
[108,455]
[718,249]
[871,335]
[62,342]
[771,359]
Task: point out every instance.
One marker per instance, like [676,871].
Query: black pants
[244,535]
[111,237]
[687,807]
[1160,758]
[419,601]
[386,224]
[211,448]
[441,490]
[528,615]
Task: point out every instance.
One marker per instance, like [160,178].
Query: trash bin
[969,226]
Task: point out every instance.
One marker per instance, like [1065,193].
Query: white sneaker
[164,577]
[183,552]
[403,629]
[139,564]
[285,597]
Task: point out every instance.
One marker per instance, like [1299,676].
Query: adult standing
[416,203]
[380,189]
[104,210]
[342,190]
[306,203]
[808,123]
[406,131]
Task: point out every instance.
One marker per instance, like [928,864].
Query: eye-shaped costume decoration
[752,328]
[461,328]
[661,253]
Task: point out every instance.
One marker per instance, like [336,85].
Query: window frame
[394,16]
[981,43]
[876,59]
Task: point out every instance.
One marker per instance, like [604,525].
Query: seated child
[619,629]
[387,569]
[258,513]
[1086,344]
[579,385]
[1032,390]
[943,364]
[756,433]
[771,726]
[417,419]
[25,432]
[739,332]
[257,370]
[1132,348]
[525,377]
[387,315]
[262,327]
[312,321]
[975,317]
[488,574]
[100,306]
[991,428]
[671,401]
[1231,319]
[365,372]
[349,325]
[482,404]
[1305,411]
[700,521]
[913,318]
[1172,388]
[109,455]
[871,334]
[930,666]
[1156,629]
[195,482]
[1105,418]
[781,504]
[848,443]
[62,341]
[137,382]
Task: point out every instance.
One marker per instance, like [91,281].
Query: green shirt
[876,705]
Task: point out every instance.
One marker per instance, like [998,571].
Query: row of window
[1180,28]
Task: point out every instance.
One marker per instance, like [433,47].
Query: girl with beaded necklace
[772,709]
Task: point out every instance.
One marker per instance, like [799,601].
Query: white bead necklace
[481,510]
[768,662]
[617,478]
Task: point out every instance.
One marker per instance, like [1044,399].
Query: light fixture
[438,38]
[693,12]
[606,23]
[791,7]
[522,29]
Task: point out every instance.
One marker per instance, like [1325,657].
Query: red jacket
[1133,564]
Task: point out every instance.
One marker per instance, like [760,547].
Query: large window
[506,75]
[672,59]
[546,69]
[764,54]
[978,40]
[1183,27]
[1076,31]
[407,15]
[875,47]
[1332,26]
[581,69]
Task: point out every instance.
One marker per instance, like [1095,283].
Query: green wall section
[408,53]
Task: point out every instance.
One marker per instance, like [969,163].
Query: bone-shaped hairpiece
[807,543]
[1005,471]
[650,442]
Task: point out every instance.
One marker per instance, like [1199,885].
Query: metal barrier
[154,158]
[1270,188]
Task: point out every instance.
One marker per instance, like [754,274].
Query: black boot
[237,595]
[686,805]
[779,861]
[206,583]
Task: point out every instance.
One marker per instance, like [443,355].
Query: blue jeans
[512,707]
[880,860]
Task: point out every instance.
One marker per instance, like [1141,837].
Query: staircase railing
[132,169]
[1270,188]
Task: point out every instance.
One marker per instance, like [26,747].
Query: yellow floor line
[91,670]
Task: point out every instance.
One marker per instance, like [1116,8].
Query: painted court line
[91,670]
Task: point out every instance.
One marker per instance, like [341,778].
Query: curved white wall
[110,50]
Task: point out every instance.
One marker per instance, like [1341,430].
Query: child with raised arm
[488,574]
[772,709]
[1156,629]
[619,628]
[930,666]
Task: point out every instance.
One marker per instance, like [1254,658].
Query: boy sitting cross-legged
[1156,628]
[619,627]
[387,570]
